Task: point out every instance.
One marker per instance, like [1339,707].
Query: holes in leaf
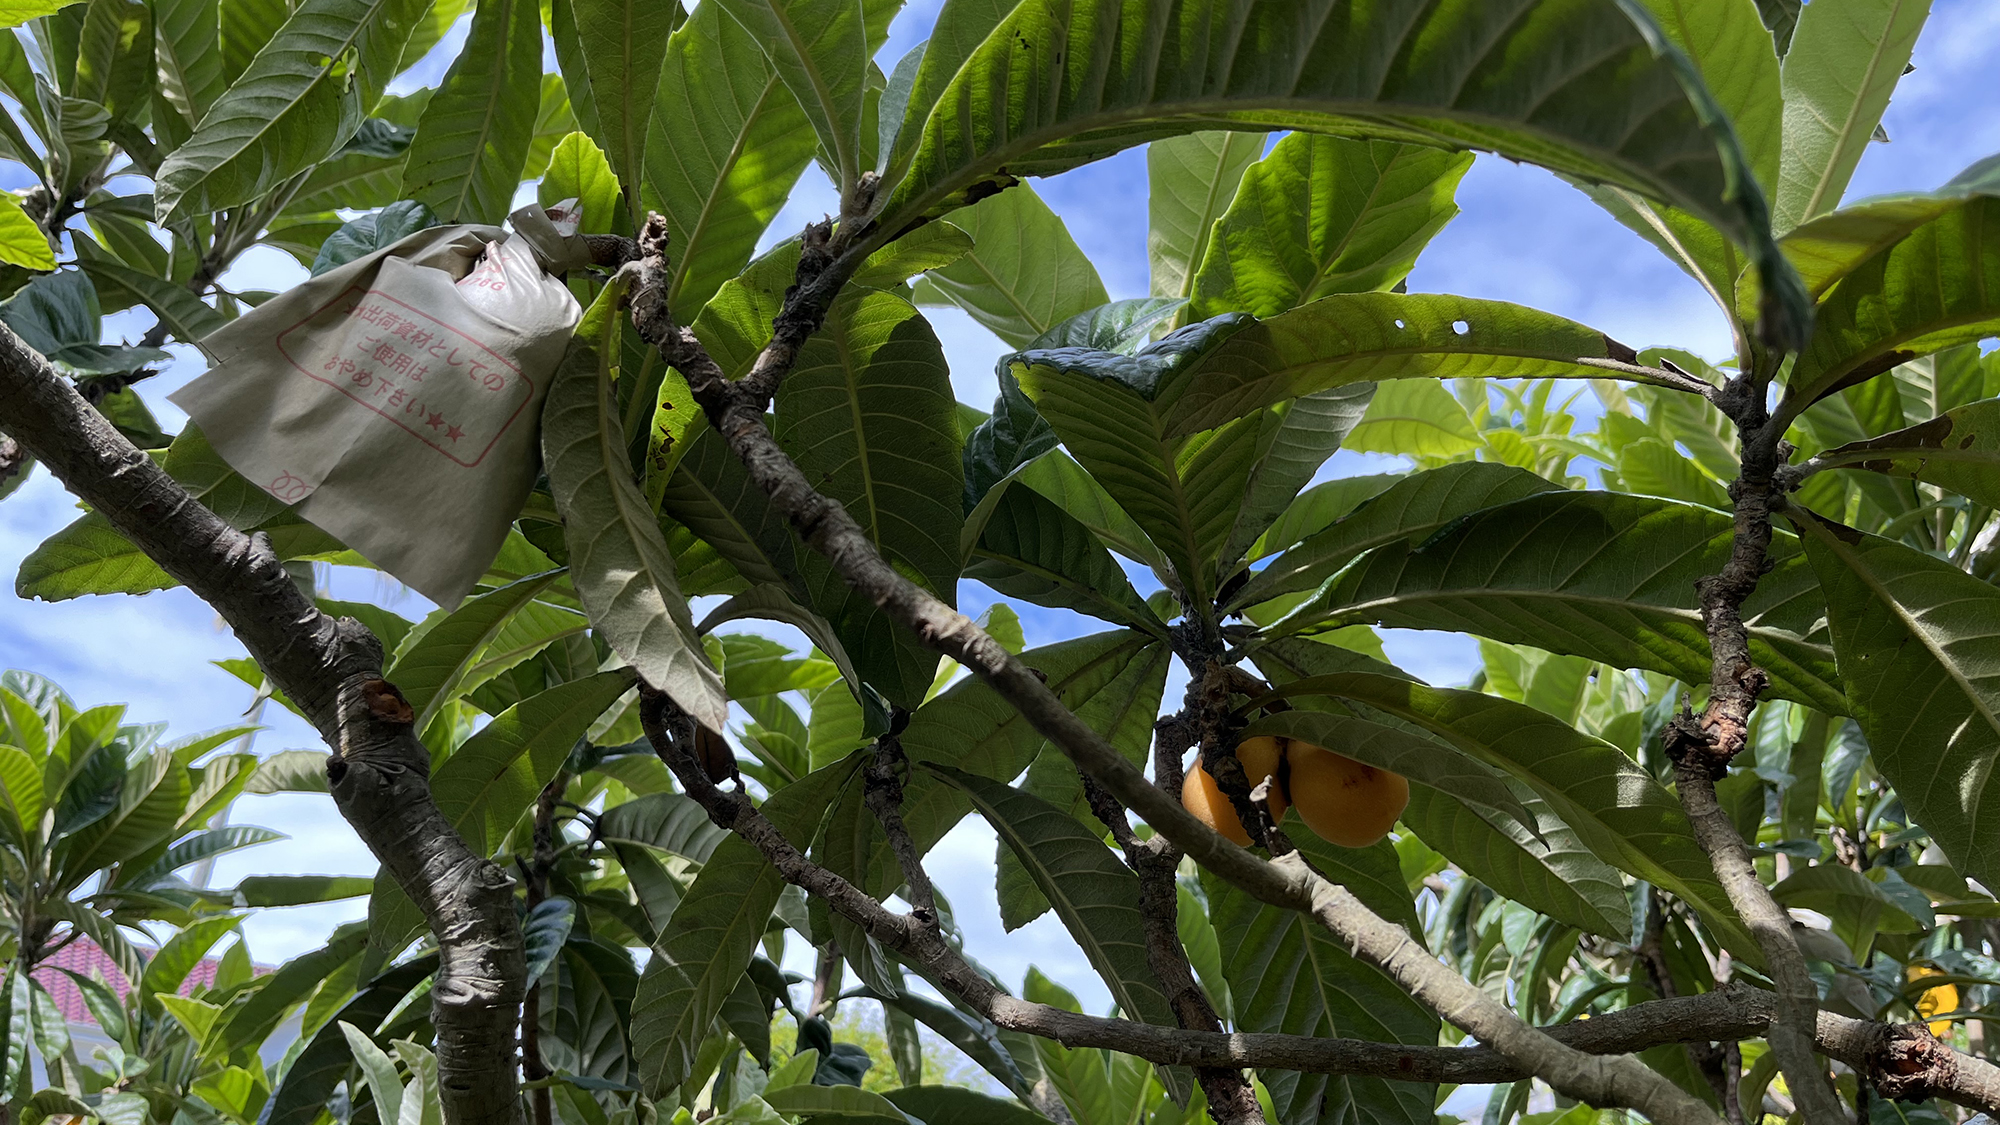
[1400,325]
[1461,327]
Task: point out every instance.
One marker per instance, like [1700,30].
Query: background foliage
[1161,485]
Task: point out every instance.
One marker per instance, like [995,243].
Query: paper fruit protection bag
[394,401]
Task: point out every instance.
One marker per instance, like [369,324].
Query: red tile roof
[84,958]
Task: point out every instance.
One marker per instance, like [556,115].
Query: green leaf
[1025,274]
[1092,890]
[1191,180]
[725,143]
[1361,337]
[184,314]
[290,771]
[58,315]
[820,50]
[1118,326]
[298,890]
[1322,215]
[325,1061]
[1724,40]
[178,957]
[1057,476]
[868,414]
[1098,404]
[1295,439]
[101,930]
[201,846]
[114,62]
[1289,975]
[1613,805]
[1033,550]
[1552,873]
[358,238]
[618,559]
[975,1037]
[155,790]
[956,1105]
[473,137]
[834,1103]
[300,99]
[714,933]
[490,781]
[1958,450]
[20,1001]
[1935,288]
[22,243]
[421,1103]
[1057,85]
[543,933]
[578,170]
[1410,509]
[368,172]
[431,665]
[1844,61]
[377,1069]
[623,43]
[1915,637]
[596,979]
[1826,249]
[282,990]
[998,449]
[14,13]
[197,1016]
[21,785]
[667,821]
[1607,576]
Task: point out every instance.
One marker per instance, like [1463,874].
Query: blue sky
[1523,236]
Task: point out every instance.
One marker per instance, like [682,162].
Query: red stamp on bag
[434,382]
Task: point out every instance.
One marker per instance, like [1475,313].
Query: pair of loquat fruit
[1346,802]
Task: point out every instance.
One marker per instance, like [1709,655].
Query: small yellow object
[1942,998]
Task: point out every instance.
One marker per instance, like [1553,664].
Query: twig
[1714,1062]
[884,795]
[1231,1100]
[1670,376]
[533,1068]
[1702,748]
[826,527]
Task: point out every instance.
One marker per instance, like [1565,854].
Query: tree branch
[379,771]
[735,410]
[1231,1100]
[1701,749]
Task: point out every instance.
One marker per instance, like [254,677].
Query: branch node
[1908,1064]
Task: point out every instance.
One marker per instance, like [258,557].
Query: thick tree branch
[735,410]
[380,771]
[1702,748]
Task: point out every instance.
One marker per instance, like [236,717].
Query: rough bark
[379,772]
[1701,748]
